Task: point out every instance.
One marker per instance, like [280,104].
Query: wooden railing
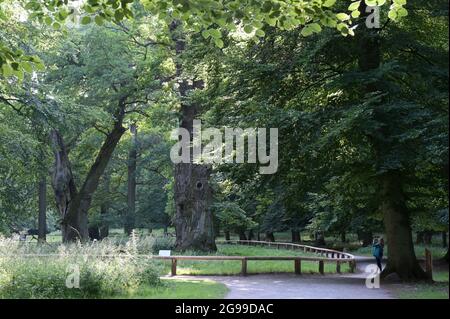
[329,253]
[331,256]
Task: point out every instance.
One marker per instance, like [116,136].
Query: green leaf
[215,33]
[248,29]
[342,16]
[27,66]
[329,3]
[98,20]
[85,20]
[260,33]
[392,15]
[219,43]
[354,6]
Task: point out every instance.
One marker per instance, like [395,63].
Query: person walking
[377,251]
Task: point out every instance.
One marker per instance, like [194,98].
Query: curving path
[306,286]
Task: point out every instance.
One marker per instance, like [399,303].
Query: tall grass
[28,270]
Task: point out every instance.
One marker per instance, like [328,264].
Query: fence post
[321,267]
[174,266]
[428,264]
[244,267]
[298,266]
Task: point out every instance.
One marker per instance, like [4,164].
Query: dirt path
[291,286]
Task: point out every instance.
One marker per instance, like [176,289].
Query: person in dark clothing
[377,251]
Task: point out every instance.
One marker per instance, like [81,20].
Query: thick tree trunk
[295,236]
[193,218]
[42,219]
[76,219]
[131,193]
[401,256]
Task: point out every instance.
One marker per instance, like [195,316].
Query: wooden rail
[326,255]
[329,253]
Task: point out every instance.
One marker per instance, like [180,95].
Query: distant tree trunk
[365,237]
[250,234]
[270,236]
[258,236]
[419,237]
[42,219]
[295,236]
[62,178]
[343,237]
[104,209]
[428,237]
[131,193]
[446,256]
[192,193]
[227,235]
[444,239]
[242,235]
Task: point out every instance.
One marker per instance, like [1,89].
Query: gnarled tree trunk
[193,218]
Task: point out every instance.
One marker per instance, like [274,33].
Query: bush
[104,270]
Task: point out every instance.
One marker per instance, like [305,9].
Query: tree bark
[42,219]
[131,193]
[193,218]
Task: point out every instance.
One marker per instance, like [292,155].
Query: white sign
[164,253]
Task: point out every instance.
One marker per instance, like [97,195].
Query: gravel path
[306,286]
